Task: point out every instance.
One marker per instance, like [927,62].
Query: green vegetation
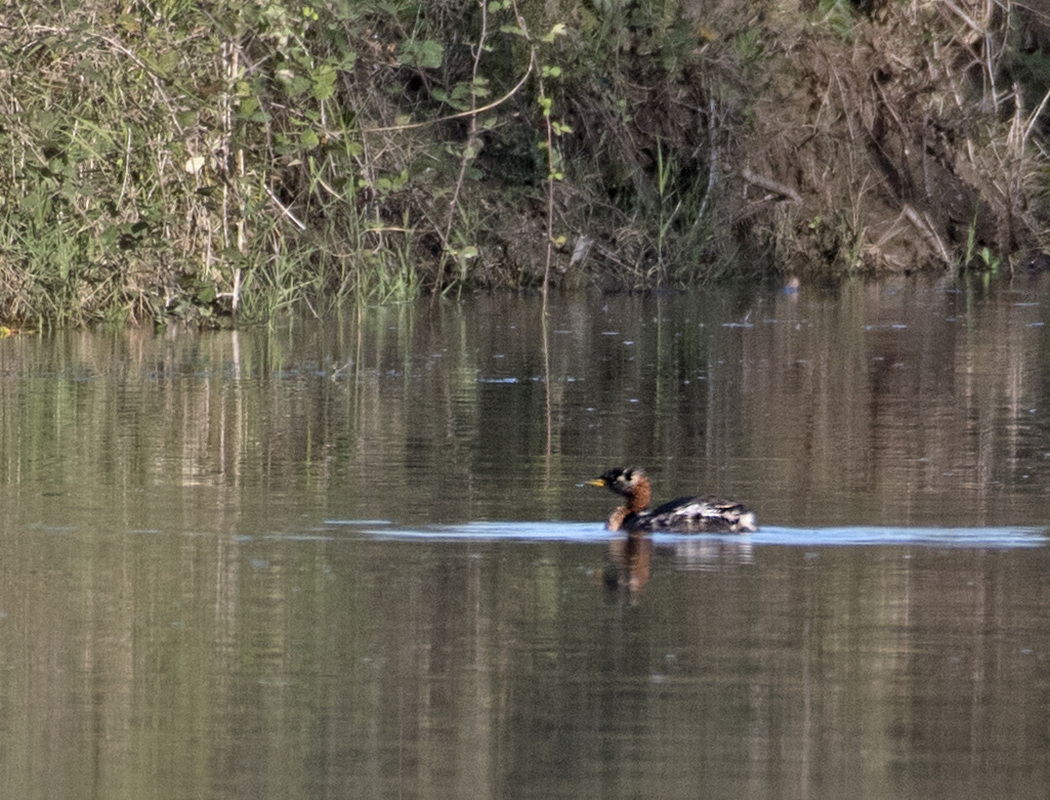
[181,160]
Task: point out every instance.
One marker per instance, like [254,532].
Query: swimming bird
[684,515]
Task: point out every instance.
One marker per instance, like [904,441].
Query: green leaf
[558,30]
[426,54]
[248,106]
[206,293]
[294,83]
[324,82]
[167,61]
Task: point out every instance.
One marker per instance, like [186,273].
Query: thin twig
[549,131]
[285,210]
[472,134]
[712,164]
[1034,118]
[468,113]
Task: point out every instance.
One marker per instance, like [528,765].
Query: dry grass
[906,143]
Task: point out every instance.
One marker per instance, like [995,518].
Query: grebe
[684,515]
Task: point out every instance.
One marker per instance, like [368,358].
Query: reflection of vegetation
[458,388]
[160,605]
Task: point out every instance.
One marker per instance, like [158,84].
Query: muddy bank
[868,138]
[913,143]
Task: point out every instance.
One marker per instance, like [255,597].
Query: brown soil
[893,148]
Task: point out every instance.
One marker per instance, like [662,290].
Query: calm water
[354,558]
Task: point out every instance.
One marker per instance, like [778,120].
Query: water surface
[355,558]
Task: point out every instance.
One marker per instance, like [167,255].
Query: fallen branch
[925,229]
[771,185]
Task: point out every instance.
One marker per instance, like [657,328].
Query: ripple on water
[854,536]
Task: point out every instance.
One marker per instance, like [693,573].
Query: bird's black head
[622,480]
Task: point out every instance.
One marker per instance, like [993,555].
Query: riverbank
[176,162]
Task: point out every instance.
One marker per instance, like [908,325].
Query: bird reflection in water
[628,566]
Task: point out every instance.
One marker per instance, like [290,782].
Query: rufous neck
[641,497]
